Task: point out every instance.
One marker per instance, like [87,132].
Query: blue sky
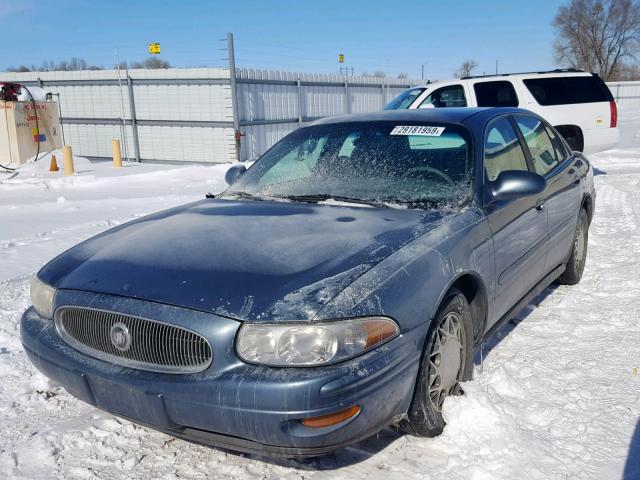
[374,35]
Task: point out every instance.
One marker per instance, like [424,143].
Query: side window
[495,94]
[451,96]
[537,139]
[349,144]
[502,149]
[298,163]
[558,145]
[582,88]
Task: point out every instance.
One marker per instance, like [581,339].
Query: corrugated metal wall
[272,104]
[180,114]
[627,94]
[186,115]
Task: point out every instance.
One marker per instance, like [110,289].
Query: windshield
[404,100]
[417,165]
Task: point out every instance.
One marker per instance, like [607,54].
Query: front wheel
[447,361]
[578,256]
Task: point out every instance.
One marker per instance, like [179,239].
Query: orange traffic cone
[54,165]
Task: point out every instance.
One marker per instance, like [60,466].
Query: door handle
[540,205]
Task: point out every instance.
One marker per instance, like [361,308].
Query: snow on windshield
[416,165]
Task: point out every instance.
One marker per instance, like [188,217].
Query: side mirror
[234,174]
[517,183]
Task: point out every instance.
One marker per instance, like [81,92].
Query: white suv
[578,104]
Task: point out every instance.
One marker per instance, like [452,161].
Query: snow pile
[40,167]
[556,398]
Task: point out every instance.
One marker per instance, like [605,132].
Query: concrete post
[115,152]
[67,160]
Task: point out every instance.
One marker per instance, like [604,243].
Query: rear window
[404,100]
[568,90]
[495,94]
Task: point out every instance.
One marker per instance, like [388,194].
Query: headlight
[42,297]
[305,345]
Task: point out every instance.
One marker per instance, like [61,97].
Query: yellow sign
[154,48]
[341,58]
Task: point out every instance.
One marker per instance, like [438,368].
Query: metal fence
[187,115]
[175,115]
[627,94]
[271,104]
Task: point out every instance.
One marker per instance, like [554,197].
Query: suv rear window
[495,94]
[568,90]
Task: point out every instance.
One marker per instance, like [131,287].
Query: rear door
[519,226]
[562,198]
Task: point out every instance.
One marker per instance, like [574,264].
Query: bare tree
[73,64]
[21,68]
[628,72]
[598,35]
[151,63]
[466,69]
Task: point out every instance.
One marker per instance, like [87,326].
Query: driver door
[519,226]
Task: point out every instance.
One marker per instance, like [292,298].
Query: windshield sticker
[417,130]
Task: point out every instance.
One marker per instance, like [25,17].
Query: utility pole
[123,125]
[234,93]
[422,75]
[496,67]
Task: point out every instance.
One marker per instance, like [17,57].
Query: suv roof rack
[557,70]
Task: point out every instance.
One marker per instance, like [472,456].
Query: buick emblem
[120,337]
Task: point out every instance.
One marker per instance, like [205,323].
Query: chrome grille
[133,341]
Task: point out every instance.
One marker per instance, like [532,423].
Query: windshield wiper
[338,198]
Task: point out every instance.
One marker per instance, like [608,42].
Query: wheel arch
[587,205]
[471,285]
[573,135]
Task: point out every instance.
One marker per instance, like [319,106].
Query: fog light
[331,418]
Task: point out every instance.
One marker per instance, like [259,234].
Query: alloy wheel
[446,360]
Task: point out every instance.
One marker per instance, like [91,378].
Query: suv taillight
[614,113]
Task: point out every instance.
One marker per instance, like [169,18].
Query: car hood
[249,260]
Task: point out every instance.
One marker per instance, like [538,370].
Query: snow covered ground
[558,396]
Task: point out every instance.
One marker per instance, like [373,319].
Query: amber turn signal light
[331,418]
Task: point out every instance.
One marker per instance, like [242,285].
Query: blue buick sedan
[338,286]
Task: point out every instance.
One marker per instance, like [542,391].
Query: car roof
[506,76]
[435,115]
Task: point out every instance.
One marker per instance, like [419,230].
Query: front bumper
[232,405]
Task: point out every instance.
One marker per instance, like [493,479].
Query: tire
[578,256]
[424,417]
